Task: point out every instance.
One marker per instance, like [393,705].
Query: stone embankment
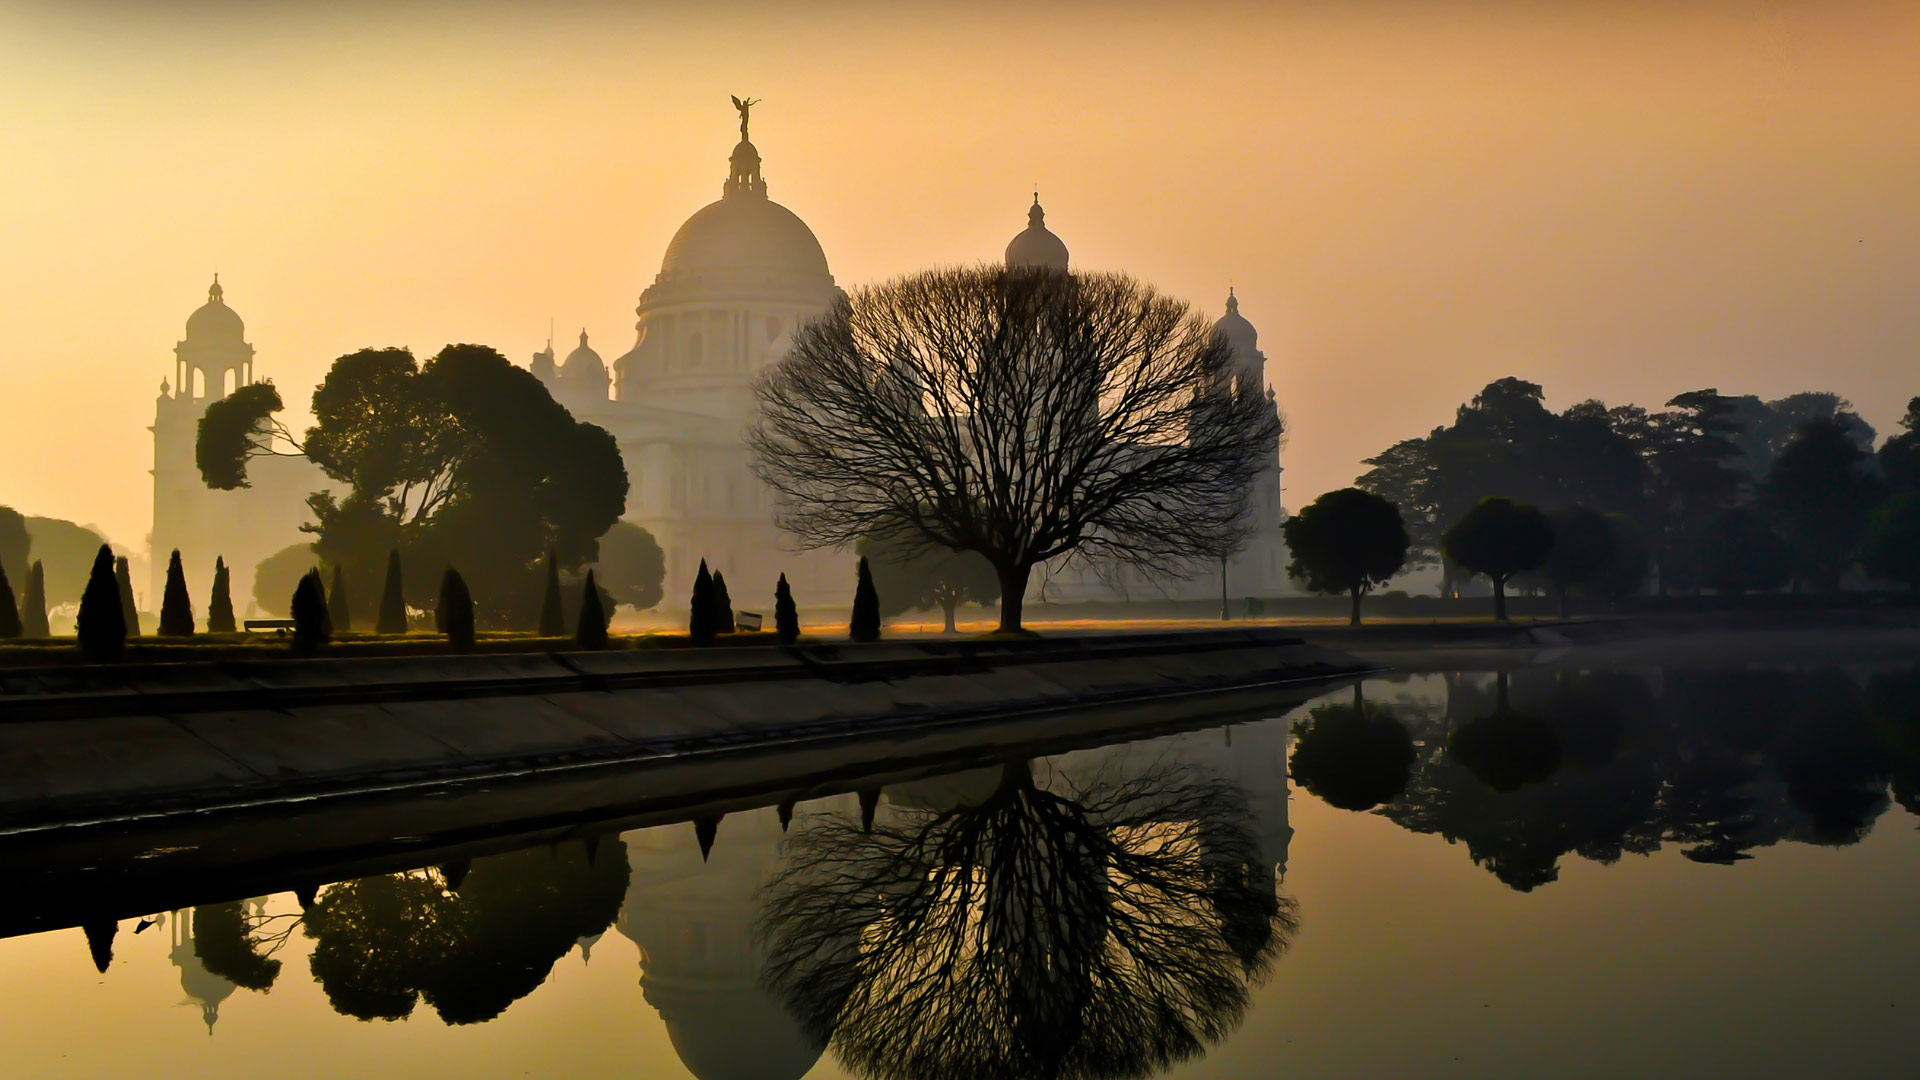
[99,744]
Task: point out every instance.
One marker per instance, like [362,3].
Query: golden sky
[1613,199]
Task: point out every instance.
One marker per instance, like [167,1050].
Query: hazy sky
[1615,200]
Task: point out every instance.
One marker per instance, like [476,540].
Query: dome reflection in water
[1099,926]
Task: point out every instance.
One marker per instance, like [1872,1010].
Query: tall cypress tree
[33,614]
[786,618]
[9,611]
[454,615]
[311,627]
[129,614]
[553,621]
[592,632]
[700,624]
[176,610]
[220,606]
[722,605]
[102,626]
[338,613]
[393,601]
[865,624]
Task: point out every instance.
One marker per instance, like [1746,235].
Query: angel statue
[743,106]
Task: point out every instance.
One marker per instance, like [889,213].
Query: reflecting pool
[1635,870]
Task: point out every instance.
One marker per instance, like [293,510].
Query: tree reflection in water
[1354,756]
[1104,930]
[470,941]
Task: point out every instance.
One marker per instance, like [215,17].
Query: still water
[1636,871]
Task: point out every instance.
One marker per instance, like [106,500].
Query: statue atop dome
[744,106]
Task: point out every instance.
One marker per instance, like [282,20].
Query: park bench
[277,625]
[746,621]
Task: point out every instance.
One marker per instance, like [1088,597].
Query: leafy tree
[276,576]
[1900,454]
[592,630]
[631,566]
[786,618]
[176,608]
[1766,427]
[1820,490]
[722,605]
[67,550]
[102,623]
[33,610]
[1632,562]
[453,616]
[701,625]
[909,576]
[223,940]
[220,606]
[1696,474]
[15,544]
[1346,541]
[311,623]
[128,611]
[1891,550]
[1744,553]
[553,622]
[466,460]
[393,601]
[1500,538]
[865,623]
[339,613]
[10,626]
[1026,415]
[1583,547]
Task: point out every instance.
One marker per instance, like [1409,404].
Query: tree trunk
[1013,590]
[946,608]
[1225,612]
[1499,598]
[1354,620]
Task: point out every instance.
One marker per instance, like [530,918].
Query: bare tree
[1022,414]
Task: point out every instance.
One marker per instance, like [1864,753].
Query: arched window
[227,380]
[199,382]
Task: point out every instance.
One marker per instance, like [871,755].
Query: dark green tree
[339,613]
[786,617]
[33,610]
[553,621]
[1696,474]
[312,627]
[276,576]
[864,626]
[1346,541]
[1820,490]
[1632,563]
[176,608]
[16,542]
[909,576]
[701,626]
[393,599]
[10,626]
[722,605]
[631,566]
[220,606]
[1900,454]
[102,623]
[128,610]
[67,550]
[1743,553]
[1583,548]
[1891,549]
[1500,538]
[592,631]
[453,616]
[1767,426]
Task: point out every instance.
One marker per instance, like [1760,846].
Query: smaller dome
[1036,246]
[215,321]
[1237,330]
[583,365]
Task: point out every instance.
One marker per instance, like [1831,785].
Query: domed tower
[700,961]
[582,379]
[202,987]
[1260,568]
[1036,246]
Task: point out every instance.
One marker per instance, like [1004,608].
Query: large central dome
[744,231]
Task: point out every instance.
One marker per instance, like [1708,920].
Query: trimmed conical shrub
[786,618]
[129,614]
[9,611]
[865,624]
[722,605]
[393,600]
[33,610]
[220,606]
[102,626]
[176,610]
[553,621]
[338,613]
[700,625]
[454,615]
[592,632]
[311,626]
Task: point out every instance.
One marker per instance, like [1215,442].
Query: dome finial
[583,337]
[1233,302]
[215,292]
